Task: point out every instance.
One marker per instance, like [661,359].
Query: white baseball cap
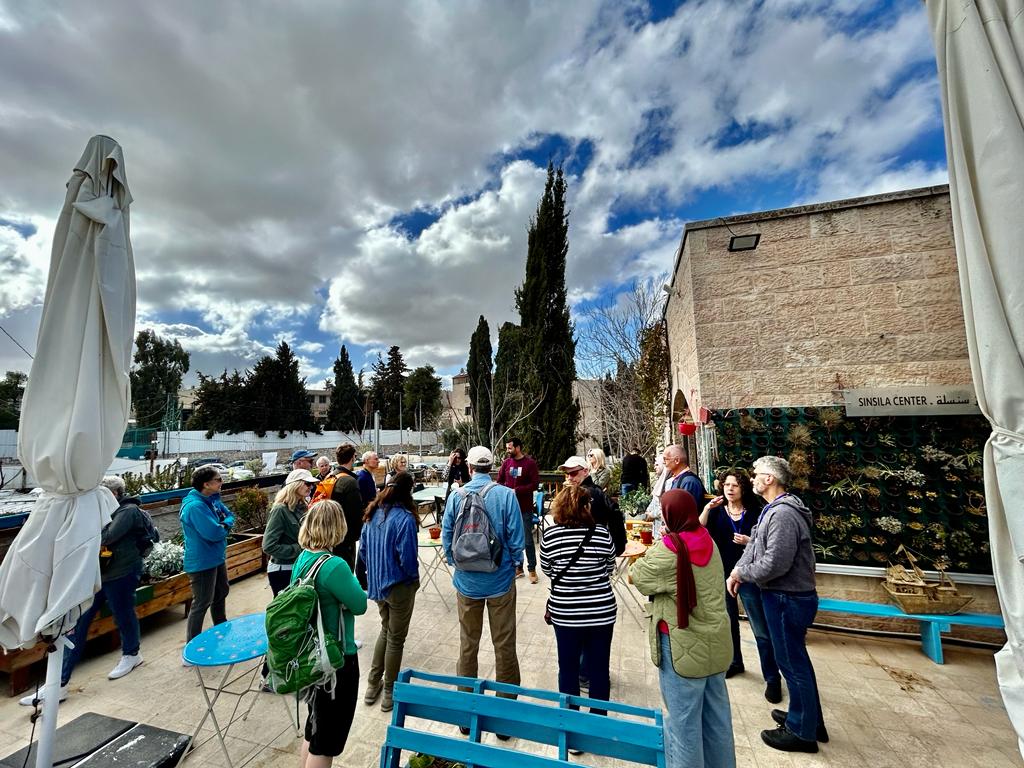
[574,462]
[300,475]
[479,456]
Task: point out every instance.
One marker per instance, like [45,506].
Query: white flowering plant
[165,560]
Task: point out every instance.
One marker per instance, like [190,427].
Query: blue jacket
[205,523]
[367,486]
[689,482]
[507,522]
[388,547]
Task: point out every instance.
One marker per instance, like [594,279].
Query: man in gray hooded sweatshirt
[779,559]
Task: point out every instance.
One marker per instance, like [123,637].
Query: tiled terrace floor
[885,703]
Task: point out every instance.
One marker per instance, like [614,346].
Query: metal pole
[51,703]
[419,408]
[376,431]
[401,432]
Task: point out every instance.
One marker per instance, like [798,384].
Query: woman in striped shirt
[579,557]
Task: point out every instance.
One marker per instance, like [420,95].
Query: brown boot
[533,577]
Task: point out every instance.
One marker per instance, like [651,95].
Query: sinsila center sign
[911,401]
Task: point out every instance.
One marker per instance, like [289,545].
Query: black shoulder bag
[570,564]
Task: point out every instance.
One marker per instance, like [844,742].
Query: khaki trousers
[395,615]
[501,617]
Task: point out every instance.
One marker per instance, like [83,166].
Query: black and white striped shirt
[583,597]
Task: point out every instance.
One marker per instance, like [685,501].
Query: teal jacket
[205,523]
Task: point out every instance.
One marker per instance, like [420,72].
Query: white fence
[195,441]
[8,444]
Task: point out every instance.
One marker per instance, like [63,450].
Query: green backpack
[299,652]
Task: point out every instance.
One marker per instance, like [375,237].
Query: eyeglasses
[572,472]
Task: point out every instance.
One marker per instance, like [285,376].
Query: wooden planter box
[244,557]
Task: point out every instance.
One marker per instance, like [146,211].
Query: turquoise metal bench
[627,732]
[932,625]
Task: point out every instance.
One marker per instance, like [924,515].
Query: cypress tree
[548,344]
[345,412]
[478,367]
[387,384]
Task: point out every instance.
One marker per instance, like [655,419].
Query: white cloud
[268,147]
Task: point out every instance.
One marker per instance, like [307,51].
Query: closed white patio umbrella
[73,417]
[980,51]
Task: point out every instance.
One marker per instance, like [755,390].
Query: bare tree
[618,343]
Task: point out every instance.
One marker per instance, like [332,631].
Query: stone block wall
[856,293]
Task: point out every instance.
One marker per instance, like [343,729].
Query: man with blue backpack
[482,535]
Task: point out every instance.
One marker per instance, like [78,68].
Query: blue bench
[932,625]
[629,733]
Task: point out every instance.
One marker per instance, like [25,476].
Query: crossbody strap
[574,558]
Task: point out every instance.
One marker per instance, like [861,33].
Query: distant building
[319,401]
[187,403]
[456,407]
[591,429]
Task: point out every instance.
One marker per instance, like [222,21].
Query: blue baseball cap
[302,453]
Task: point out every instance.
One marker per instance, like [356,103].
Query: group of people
[753,541]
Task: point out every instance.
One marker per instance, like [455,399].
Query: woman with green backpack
[341,599]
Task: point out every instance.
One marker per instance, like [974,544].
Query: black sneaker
[783,739]
[780,715]
[733,670]
[464,730]
[773,692]
[502,737]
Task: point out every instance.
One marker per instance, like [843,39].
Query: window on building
[467,390]
[469,410]
[323,399]
[309,399]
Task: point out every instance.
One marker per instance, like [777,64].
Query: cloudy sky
[364,172]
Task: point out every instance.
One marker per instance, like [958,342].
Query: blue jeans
[789,614]
[119,594]
[754,608]
[698,726]
[531,550]
[627,488]
[587,650]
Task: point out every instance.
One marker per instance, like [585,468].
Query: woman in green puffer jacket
[690,638]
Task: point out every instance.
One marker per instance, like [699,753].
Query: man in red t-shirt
[519,472]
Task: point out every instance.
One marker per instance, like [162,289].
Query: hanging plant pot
[889,457]
[869,455]
[761,441]
[758,413]
[818,504]
[906,440]
[775,412]
[792,413]
[869,440]
[810,412]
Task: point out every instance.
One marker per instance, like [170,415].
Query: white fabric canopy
[980,51]
[76,403]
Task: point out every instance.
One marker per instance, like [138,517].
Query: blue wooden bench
[543,717]
[932,625]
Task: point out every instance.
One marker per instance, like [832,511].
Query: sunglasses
[572,472]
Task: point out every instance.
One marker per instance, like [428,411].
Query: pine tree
[345,412]
[278,395]
[422,397]
[159,367]
[548,345]
[387,387]
[478,367]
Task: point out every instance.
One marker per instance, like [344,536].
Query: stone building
[775,315]
[455,404]
[839,295]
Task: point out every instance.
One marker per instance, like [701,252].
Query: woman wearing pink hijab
[691,643]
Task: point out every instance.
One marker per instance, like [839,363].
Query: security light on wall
[744,242]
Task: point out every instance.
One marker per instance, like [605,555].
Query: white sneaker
[124,666]
[27,701]
[359,644]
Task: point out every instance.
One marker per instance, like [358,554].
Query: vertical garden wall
[873,483]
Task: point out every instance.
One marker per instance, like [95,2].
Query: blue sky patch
[24,228]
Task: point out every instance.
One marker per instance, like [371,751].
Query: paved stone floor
[885,703]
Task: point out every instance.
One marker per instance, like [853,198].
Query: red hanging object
[686,428]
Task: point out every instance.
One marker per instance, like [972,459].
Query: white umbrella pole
[51,703]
